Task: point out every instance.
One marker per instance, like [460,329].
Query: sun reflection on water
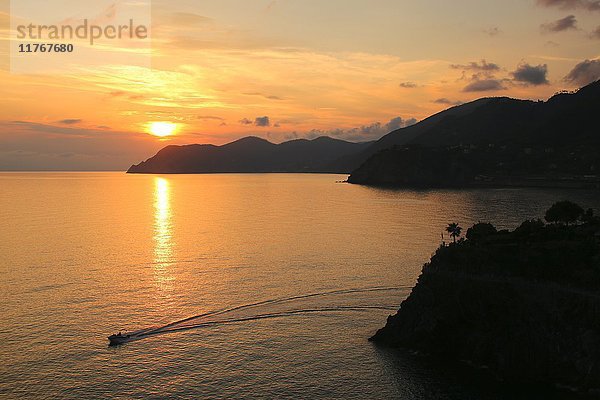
[163,233]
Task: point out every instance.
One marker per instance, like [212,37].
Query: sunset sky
[284,69]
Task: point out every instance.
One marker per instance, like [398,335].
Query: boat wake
[252,311]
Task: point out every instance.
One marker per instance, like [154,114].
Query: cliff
[525,304]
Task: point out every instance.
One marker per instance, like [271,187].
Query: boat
[118,339]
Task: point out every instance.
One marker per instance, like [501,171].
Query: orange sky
[347,68]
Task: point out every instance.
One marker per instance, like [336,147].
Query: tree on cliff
[480,232]
[564,212]
[454,230]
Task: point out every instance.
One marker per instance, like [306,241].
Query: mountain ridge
[250,154]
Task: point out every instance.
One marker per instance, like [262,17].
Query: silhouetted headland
[251,154]
[495,142]
[525,303]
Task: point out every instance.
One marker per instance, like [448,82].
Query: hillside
[496,141]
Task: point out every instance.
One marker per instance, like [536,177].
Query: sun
[162,129]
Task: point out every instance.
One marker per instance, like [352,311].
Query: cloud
[49,129]
[446,101]
[531,75]
[563,24]
[408,85]
[493,31]
[262,121]
[592,5]
[482,66]
[482,78]
[484,85]
[210,117]
[258,121]
[397,123]
[266,96]
[596,34]
[366,132]
[585,72]
[69,121]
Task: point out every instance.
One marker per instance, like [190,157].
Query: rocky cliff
[524,304]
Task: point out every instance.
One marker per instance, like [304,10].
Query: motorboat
[118,339]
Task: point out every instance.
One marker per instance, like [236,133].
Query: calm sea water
[83,255]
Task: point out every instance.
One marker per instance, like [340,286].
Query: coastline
[486,182]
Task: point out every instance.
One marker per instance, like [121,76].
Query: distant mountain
[494,141]
[251,154]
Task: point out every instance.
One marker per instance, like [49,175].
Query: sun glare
[162,129]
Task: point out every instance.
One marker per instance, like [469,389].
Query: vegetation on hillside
[566,249]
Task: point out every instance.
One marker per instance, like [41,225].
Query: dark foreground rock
[532,322]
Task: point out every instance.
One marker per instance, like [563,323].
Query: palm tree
[454,230]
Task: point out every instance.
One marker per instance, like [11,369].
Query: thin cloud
[584,73]
[596,34]
[484,85]
[493,31]
[446,101]
[591,5]
[69,121]
[210,117]
[564,24]
[531,75]
[482,66]
[408,85]
[266,96]
[363,133]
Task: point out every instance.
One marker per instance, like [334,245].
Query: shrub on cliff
[480,232]
[530,227]
[564,212]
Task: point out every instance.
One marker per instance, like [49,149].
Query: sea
[233,286]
